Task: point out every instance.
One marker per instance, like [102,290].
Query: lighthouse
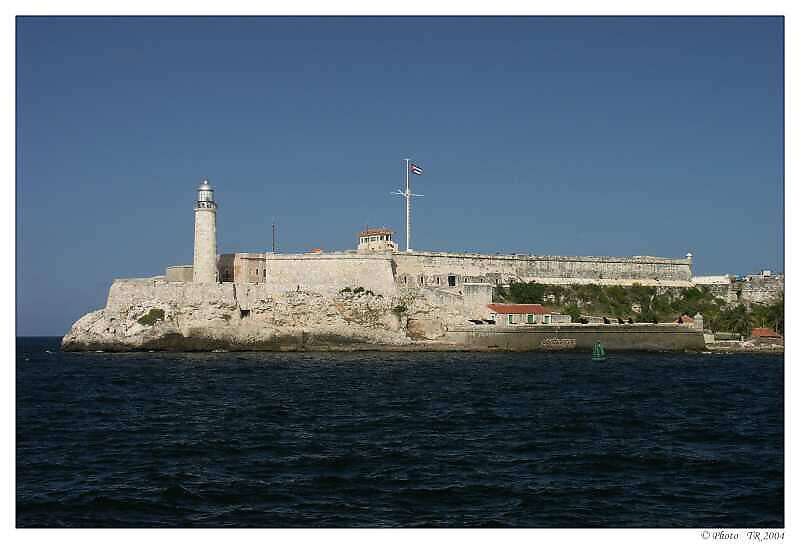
[205,235]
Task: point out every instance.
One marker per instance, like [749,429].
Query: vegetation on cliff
[642,304]
[150,318]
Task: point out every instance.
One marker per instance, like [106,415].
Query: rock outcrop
[152,314]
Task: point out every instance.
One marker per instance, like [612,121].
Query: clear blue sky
[570,136]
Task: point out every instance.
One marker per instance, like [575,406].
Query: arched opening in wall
[451,281]
[422,280]
[244,313]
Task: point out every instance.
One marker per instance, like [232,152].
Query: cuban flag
[414,169]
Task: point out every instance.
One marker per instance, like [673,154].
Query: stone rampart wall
[579,337]
[761,290]
[123,291]
[180,273]
[447,269]
[329,273]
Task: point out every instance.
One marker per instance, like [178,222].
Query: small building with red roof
[764,332]
[765,336]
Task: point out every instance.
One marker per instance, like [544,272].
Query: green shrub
[150,318]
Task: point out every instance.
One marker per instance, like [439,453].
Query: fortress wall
[762,290]
[434,268]
[180,273]
[125,293]
[329,273]
[613,337]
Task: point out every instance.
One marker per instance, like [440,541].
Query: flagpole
[408,209]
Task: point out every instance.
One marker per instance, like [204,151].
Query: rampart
[455,269]
[384,273]
[324,273]
[580,337]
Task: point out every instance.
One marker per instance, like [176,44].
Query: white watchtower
[205,235]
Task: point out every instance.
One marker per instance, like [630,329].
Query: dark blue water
[398,439]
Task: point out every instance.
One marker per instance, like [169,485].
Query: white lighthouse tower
[205,235]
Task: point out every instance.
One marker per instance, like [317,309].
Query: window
[546,319]
[510,319]
[374,239]
[451,281]
[530,319]
[422,280]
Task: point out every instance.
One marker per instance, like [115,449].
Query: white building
[525,314]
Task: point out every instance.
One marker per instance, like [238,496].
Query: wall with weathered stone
[329,273]
[760,289]
[438,269]
[325,273]
[583,337]
[180,273]
[447,270]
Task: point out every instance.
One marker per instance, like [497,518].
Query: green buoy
[598,352]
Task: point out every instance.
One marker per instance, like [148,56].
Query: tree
[574,312]
[736,319]
[526,293]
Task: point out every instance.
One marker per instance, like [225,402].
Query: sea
[375,439]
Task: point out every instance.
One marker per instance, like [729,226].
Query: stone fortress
[372,297]
[378,265]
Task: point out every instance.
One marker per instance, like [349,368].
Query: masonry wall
[440,269]
[613,337]
[329,273]
[123,291]
[179,273]
[761,290]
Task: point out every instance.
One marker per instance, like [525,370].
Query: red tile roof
[519,309]
[764,332]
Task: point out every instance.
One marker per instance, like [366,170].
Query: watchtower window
[451,281]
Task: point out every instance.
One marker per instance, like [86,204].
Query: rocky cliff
[152,314]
